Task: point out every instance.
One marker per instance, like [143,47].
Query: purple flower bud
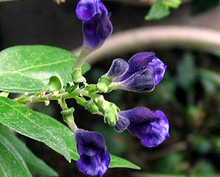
[94,157]
[122,123]
[96,23]
[142,72]
[117,69]
[151,127]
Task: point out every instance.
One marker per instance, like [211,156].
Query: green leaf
[117,162]
[203,167]
[55,83]
[213,76]
[11,162]
[36,165]
[202,145]
[47,130]
[4,94]
[2,172]
[158,11]
[65,133]
[210,80]
[29,68]
[172,3]
[186,72]
[38,126]
[169,163]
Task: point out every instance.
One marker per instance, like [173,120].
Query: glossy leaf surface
[37,126]
[35,165]
[29,68]
[11,162]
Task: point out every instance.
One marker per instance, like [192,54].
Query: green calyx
[172,3]
[70,87]
[91,88]
[68,115]
[111,115]
[77,76]
[104,84]
[108,109]
[91,107]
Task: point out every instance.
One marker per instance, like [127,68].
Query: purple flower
[122,123]
[151,127]
[96,23]
[142,72]
[94,157]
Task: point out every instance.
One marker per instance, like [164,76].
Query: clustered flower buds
[140,74]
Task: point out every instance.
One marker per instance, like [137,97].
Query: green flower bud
[91,106]
[104,84]
[77,76]
[70,87]
[111,115]
[68,115]
[108,109]
[91,88]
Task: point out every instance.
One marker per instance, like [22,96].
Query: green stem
[67,114]
[62,103]
[50,96]
[82,56]
[80,100]
[72,126]
[65,95]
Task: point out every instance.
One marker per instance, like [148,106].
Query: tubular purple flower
[159,70]
[94,157]
[151,127]
[122,123]
[117,69]
[96,23]
[142,72]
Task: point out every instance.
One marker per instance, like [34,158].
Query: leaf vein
[51,135]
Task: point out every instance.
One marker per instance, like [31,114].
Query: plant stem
[65,95]
[83,54]
[67,114]
[50,96]
[81,101]
[72,126]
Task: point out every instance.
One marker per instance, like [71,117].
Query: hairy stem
[83,54]
[76,94]
[50,96]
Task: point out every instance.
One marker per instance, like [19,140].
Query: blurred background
[189,93]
